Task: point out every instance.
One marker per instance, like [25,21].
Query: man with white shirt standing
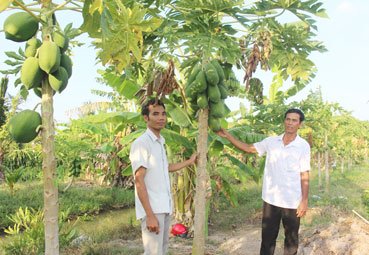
[151,169]
[285,181]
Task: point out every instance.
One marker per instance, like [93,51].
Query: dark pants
[272,216]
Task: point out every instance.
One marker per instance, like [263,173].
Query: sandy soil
[348,235]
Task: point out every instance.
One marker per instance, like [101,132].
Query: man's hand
[152,224]
[192,159]
[222,133]
[301,210]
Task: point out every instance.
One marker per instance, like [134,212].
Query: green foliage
[28,232]
[120,28]
[3,107]
[76,201]
[12,177]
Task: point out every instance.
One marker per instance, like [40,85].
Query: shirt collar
[296,140]
[154,137]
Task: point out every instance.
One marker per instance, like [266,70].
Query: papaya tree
[41,66]
[193,34]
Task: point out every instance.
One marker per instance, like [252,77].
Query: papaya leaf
[13,63]
[91,18]
[12,54]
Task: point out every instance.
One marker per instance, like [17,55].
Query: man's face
[157,117]
[292,123]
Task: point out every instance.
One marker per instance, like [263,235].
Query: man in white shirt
[285,181]
[151,169]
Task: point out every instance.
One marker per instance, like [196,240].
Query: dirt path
[348,235]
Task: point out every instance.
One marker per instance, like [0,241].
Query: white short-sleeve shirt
[282,181]
[148,151]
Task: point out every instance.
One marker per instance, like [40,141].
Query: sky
[341,76]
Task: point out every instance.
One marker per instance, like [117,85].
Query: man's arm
[152,222]
[249,148]
[177,166]
[303,206]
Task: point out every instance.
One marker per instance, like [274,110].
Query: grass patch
[226,217]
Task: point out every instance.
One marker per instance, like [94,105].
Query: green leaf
[107,148]
[114,117]
[12,54]
[127,140]
[174,138]
[128,89]
[249,170]
[178,115]
[91,18]
[229,192]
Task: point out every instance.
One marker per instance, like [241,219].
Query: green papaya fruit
[194,73]
[217,110]
[31,73]
[61,40]
[202,101]
[66,62]
[49,56]
[199,83]
[214,124]
[23,126]
[20,26]
[219,69]
[59,79]
[190,91]
[211,73]
[214,94]
[223,90]
[31,47]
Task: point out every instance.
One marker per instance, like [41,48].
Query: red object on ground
[179,229]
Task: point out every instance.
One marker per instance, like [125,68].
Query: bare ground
[347,235]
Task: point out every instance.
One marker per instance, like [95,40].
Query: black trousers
[272,216]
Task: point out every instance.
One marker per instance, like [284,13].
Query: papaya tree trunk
[202,181]
[51,201]
[51,204]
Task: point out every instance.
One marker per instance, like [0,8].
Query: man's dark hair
[295,110]
[152,101]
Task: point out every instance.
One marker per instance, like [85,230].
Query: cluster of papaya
[44,60]
[206,89]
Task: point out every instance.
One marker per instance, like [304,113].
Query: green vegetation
[103,226]
[78,200]
[348,191]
